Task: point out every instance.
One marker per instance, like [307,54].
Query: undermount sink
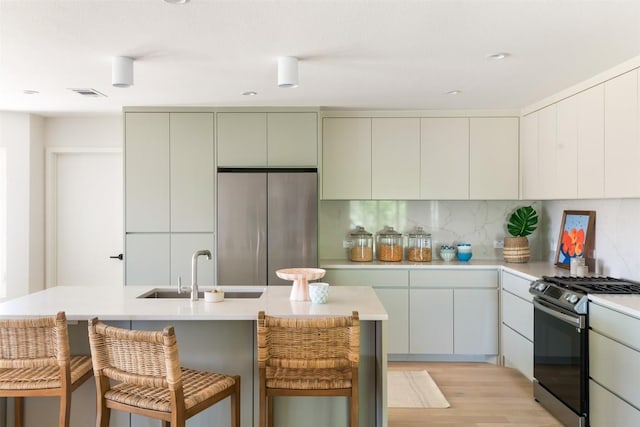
[173,294]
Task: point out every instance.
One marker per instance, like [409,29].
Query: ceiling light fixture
[454,92]
[122,71]
[177,1]
[498,56]
[250,93]
[287,71]
[30,92]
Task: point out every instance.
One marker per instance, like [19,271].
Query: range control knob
[540,287]
[573,298]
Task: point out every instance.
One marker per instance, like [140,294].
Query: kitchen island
[218,337]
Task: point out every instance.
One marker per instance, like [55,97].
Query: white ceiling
[369,54]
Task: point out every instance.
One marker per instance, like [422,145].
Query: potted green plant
[522,222]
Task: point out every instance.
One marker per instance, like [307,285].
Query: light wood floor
[480,394]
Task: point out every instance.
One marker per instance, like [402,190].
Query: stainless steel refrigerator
[267,220]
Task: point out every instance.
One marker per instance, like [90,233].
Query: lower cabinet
[614,367]
[434,312]
[516,330]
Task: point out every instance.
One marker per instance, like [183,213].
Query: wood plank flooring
[480,394]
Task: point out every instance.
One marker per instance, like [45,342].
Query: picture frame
[576,238]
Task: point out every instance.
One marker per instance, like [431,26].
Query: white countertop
[82,303]
[627,304]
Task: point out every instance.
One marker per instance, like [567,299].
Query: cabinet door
[590,122]
[529,182]
[622,146]
[192,172]
[292,139]
[493,158]
[346,158]
[147,172]
[395,158]
[147,259]
[444,158]
[183,246]
[396,302]
[517,314]
[517,352]
[431,321]
[475,321]
[547,141]
[242,139]
[607,409]
[566,153]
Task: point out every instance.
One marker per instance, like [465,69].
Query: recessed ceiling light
[177,1]
[454,92]
[501,55]
[250,93]
[30,92]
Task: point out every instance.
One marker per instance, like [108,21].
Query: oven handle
[578,321]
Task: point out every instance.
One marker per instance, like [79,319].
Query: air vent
[88,92]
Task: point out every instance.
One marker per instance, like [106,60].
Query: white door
[85,216]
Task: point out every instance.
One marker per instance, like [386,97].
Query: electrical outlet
[498,244]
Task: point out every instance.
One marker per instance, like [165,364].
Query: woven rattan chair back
[35,361]
[139,372]
[308,357]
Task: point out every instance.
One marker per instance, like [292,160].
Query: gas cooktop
[595,285]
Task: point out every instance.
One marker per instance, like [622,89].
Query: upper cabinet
[267,139]
[346,158]
[395,158]
[622,145]
[444,165]
[584,146]
[493,158]
[408,158]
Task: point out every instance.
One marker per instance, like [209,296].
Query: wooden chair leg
[18,411]
[270,410]
[235,403]
[65,409]
[166,423]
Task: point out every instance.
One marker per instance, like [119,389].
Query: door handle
[119,256]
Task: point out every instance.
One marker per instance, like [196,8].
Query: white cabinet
[192,172]
[147,174]
[431,321]
[565,159]
[530,188]
[395,158]
[148,259]
[444,164]
[590,124]
[267,139]
[517,323]
[493,158]
[622,144]
[453,312]
[346,158]
[547,125]
[605,408]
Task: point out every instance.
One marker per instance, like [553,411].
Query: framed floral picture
[577,237]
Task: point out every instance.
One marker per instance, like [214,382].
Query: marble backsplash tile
[477,222]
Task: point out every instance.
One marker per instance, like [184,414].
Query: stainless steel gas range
[560,342]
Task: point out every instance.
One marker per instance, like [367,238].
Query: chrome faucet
[194,271]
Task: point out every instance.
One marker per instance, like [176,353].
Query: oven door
[560,363]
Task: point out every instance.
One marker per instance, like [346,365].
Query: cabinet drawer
[454,278]
[517,351]
[517,285]
[615,366]
[616,325]
[367,277]
[605,408]
[517,314]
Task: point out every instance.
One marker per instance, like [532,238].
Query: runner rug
[413,389]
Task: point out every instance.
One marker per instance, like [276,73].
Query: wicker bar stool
[308,357]
[148,379]
[35,360]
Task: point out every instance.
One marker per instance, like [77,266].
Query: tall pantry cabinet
[169,196]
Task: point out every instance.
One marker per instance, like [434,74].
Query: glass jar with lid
[419,246]
[360,245]
[389,245]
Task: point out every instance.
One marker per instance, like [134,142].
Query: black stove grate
[596,285]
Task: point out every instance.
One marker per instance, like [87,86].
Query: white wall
[84,131]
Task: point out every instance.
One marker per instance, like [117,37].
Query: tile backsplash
[477,222]
[482,222]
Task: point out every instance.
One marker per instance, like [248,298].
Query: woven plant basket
[516,249]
